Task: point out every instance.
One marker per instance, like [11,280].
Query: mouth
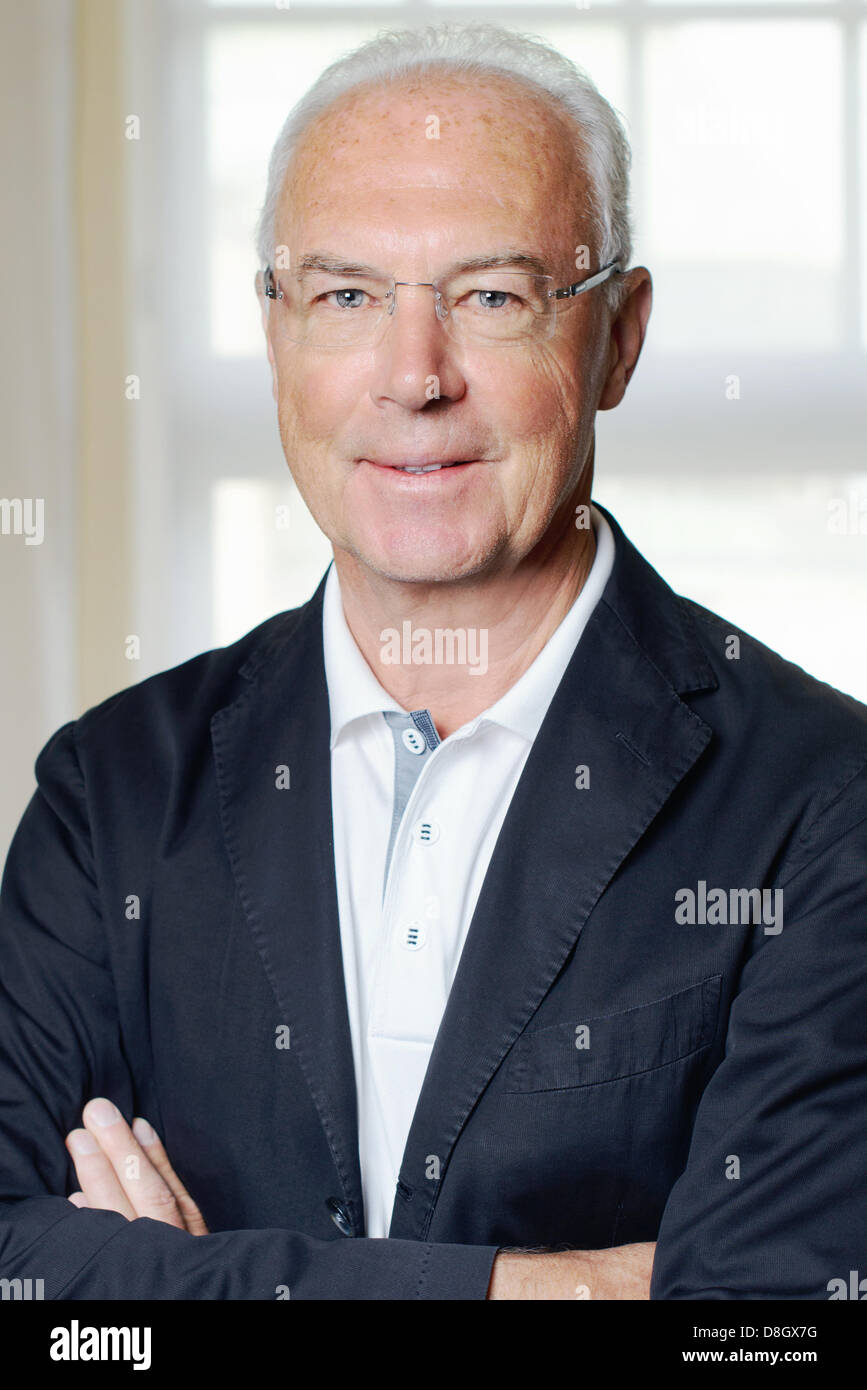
[420,465]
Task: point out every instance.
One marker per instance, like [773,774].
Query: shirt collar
[354,691]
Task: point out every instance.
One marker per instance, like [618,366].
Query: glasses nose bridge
[440,305]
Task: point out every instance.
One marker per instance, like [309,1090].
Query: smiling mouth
[428,467]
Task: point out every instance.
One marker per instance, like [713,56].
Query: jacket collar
[659,622]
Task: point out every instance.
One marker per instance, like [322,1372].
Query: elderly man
[497,901]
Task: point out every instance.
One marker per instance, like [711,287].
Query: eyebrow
[335,265]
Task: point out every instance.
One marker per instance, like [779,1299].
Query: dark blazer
[719,1106]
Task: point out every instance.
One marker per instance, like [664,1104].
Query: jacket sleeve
[772,1203]
[60,1044]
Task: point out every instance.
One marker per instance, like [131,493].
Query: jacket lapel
[280,844]
[617,711]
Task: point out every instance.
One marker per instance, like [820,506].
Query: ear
[627,332]
[265,309]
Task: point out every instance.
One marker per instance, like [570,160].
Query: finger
[78,1199]
[152,1144]
[142,1186]
[99,1182]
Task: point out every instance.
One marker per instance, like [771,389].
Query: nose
[415,361]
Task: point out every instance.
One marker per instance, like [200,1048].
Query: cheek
[315,400]
[536,401]
[538,408]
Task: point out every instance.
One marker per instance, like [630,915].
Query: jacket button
[339,1215]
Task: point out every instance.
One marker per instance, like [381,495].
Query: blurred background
[136,397]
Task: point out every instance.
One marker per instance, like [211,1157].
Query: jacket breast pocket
[611,1046]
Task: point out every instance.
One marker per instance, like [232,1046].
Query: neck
[497,625]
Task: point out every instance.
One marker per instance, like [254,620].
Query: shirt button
[413,740]
[426,832]
[413,937]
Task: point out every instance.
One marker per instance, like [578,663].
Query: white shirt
[402,929]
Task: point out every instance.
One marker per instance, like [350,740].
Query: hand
[128,1171]
[623,1272]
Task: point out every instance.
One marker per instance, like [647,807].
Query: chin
[409,566]
[412,572]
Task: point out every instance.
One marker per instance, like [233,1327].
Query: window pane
[267,553]
[783,557]
[742,215]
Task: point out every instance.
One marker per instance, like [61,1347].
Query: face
[513,420]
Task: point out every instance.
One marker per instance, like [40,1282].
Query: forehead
[434,158]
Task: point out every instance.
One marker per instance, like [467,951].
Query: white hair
[479,50]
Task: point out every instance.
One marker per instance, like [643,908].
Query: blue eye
[344,298]
[487,298]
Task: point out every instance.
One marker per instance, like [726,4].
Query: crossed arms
[127,1170]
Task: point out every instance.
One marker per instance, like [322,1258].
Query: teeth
[428,468]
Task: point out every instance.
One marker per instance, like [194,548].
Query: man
[497,901]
